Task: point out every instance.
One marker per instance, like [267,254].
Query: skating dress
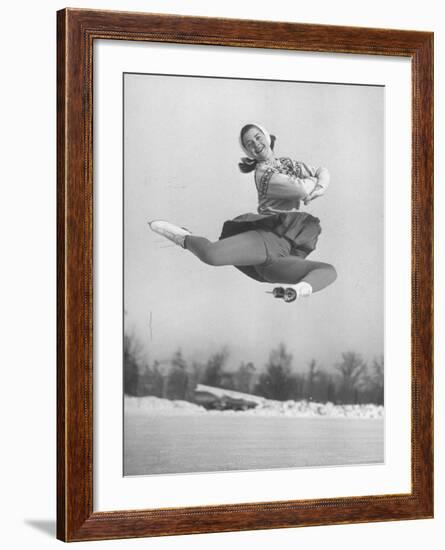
[284,229]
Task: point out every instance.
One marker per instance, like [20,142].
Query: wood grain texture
[76,32]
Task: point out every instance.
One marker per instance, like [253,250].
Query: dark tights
[248,248]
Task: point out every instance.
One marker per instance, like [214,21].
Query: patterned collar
[274,162]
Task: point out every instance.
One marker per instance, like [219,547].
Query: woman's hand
[323,180]
[323,177]
[317,192]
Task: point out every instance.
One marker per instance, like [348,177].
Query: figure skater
[270,246]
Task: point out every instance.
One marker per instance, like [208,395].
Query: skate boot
[170,231]
[290,294]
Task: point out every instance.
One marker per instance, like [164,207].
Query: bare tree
[325,387]
[214,369]
[371,383]
[195,373]
[132,363]
[351,368]
[157,380]
[311,378]
[277,382]
[377,377]
[244,376]
[177,380]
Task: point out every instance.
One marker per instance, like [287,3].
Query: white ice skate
[292,293]
[170,231]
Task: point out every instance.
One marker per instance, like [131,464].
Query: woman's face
[256,144]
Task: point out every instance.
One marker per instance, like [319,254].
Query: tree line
[351,381]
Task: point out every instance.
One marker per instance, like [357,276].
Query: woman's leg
[243,249]
[293,270]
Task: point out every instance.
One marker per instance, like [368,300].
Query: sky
[181,154]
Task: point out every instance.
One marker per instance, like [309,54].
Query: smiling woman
[256,142]
[270,246]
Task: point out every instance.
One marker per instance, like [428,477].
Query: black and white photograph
[223,275]
[253,268]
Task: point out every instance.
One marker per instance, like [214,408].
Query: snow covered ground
[298,409]
[163,436]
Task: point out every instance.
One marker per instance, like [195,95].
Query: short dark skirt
[299,228]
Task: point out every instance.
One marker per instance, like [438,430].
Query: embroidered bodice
[296,170]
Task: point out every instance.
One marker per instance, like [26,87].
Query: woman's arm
[279,186]
[323,180]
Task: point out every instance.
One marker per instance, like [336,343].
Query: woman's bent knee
[210,257]
[332,272]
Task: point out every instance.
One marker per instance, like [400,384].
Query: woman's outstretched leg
[243,249]
[292,270]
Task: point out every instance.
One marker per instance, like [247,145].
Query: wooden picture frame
[76,32]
